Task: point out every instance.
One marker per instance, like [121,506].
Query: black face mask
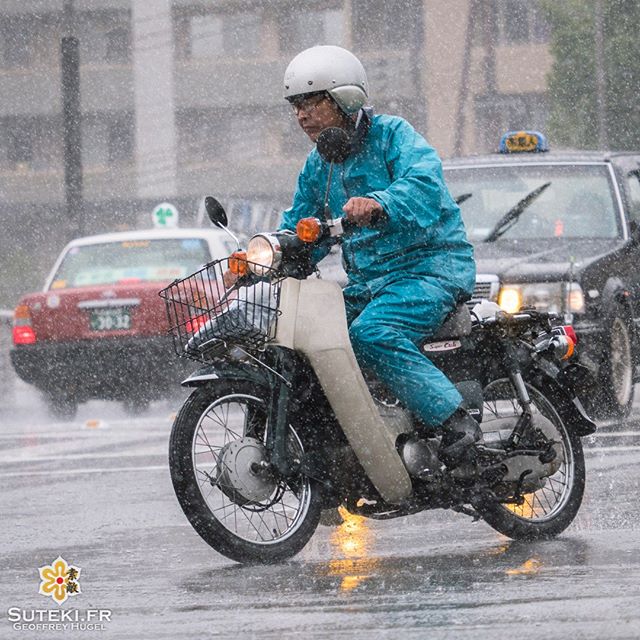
[336,144]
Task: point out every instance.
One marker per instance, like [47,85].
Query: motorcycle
[283,424]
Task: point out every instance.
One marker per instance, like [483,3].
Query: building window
[120,140]
[303,29]
[392,24]
[118,46]
[235,34]
[499,113]
[521,21]
[202,136]
[17,44]
[20,145]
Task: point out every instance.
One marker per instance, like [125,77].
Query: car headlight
[263,253]
[552,297]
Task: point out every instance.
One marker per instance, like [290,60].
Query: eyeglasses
[307,104]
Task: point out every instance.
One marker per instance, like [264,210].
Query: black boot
[460,433]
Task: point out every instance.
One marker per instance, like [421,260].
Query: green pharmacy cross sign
[165,215]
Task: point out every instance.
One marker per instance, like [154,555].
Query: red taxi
[99,329]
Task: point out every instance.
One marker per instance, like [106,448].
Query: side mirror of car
[634,229]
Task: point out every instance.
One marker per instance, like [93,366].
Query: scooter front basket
[204,315]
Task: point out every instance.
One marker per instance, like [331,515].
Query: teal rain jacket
[424,233]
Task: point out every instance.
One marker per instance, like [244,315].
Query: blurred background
[176,99]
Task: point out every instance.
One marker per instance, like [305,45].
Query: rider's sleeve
[417,194]
[306,202]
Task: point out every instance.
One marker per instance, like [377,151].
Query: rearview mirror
[216,212]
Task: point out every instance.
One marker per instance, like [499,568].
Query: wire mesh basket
[205,316]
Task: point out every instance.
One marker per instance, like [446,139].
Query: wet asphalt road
[96,491]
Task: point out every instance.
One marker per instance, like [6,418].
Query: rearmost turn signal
[308,229]
[563,346]
[238,263]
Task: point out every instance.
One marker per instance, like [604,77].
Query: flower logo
[59,580]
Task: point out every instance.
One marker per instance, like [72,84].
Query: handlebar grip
[347,225]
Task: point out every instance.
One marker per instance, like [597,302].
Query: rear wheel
[220,473]
[551,508]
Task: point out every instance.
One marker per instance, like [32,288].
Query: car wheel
[614,398]
[61,406]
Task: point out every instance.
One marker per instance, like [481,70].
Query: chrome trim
[104,304]
[276,251]
[492,280]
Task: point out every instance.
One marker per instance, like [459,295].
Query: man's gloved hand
[363,211]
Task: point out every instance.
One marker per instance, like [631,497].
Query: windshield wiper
[511,217]
[463,197]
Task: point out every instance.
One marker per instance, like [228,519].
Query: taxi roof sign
[523,142]
[165,216]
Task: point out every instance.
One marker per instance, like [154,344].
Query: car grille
[487,286]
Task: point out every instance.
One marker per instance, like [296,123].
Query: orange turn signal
[571,346]
[308,229]
[22,312]
[238,263]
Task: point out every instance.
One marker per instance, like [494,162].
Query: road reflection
[357,564]
[353,540]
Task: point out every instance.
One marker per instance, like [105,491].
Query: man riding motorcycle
[408,260]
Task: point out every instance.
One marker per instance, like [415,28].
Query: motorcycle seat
[456,324]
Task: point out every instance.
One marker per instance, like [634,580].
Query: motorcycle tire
[548,511]
[216,448]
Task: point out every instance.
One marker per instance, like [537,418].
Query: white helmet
[331,69]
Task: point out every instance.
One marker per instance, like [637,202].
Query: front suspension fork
[515,375]
[283,368]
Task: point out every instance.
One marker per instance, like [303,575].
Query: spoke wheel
[222,477]
[547,509]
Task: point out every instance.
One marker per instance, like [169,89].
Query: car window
[130,261]
[633,191]
[578,202]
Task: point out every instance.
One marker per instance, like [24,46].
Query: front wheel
[549,510]
[220,473]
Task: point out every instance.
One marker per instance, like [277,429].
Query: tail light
[566,330]
[23,332]
[194,324]
[570,332]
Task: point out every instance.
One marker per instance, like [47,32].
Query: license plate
[110,319]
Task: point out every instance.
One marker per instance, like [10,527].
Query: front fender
[227,370]
[549,380]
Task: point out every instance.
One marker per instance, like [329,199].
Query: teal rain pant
[385,329]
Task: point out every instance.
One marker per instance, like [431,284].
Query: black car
[560,231]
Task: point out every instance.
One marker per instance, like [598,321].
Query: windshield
[578,202]
[131,261]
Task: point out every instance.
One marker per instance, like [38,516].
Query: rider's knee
[365,334]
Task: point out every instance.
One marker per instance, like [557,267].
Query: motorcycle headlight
[552,297]
[263,254]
